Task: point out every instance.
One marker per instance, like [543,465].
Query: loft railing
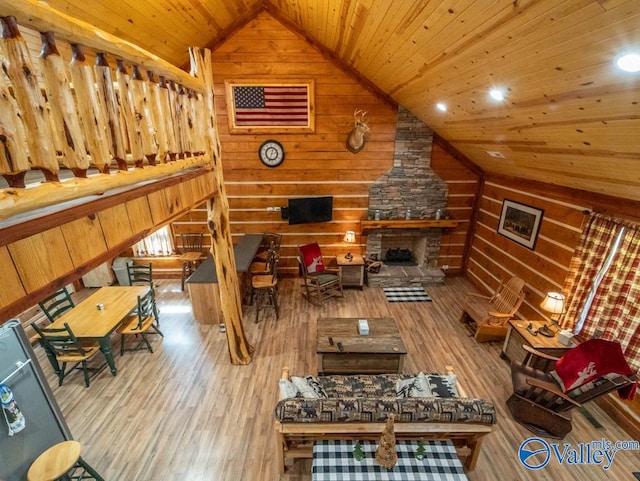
[110,108]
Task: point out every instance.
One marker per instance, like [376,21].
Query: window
[160,243]
[603,285]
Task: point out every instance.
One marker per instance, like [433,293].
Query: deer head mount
[356,138]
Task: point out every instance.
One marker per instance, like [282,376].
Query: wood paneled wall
[463,181]
[493,256]
[316,163]
[43,254]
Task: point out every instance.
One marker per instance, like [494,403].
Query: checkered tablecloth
[334,461]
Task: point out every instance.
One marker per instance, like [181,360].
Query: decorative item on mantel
[386,453]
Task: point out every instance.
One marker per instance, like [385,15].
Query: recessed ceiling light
[496,94]
[629,62]
[495,154]
[441,107]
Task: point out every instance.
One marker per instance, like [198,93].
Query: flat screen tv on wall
[310,209]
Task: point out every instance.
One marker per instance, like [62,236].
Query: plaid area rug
[406,294]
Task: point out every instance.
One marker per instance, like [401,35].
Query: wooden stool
[61,462]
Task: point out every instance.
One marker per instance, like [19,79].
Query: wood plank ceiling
[569,116]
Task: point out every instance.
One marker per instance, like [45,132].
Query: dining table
[98,316]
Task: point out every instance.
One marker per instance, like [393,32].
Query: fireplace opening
[399,257]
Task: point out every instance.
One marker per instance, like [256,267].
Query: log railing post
[143,121]
[14,160]
[63,108]
[126,102]
[152,92]
[92,110]
[107,92]
[168,120]
[33,110]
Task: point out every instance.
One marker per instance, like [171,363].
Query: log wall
[316,163]
[493,256]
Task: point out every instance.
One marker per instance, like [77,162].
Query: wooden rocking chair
[488,316]
[320,283]
[540,400]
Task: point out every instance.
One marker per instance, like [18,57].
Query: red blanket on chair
[593,359]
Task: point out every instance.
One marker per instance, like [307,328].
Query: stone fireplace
[410,185]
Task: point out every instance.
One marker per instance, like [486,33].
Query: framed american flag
[260,107]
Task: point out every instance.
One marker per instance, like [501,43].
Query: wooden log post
[144,124]
[63,108]
[33,109]
[162,98]
[104,80]
[92,110]
[183,119]
[126,101]
[152,93]
[240,351]
[200,63]
[14,159]
[175,115]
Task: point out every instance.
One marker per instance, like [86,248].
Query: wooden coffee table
[381,351]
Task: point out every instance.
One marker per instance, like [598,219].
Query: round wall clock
[271,153]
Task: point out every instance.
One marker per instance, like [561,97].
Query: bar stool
[267,285]
[62,461]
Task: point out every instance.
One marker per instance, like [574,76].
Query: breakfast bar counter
[203,283]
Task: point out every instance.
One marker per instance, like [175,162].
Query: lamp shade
[553,303]
[350,237]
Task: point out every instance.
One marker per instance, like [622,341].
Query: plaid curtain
[614,313]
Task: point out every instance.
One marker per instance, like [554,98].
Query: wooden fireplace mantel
[367,225]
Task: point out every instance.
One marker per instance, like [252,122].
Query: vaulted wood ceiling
[569,117]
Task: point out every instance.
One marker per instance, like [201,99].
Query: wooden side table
[352,271]
[519,335]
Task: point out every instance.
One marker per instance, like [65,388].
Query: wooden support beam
[240,351]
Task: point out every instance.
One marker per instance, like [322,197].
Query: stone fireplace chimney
[412,185]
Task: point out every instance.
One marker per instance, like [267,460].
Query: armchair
[320,283]
[488,316]
[542,399]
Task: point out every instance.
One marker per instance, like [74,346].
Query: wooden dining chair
[139,324]
[142,275]
[63,347]
[56,304]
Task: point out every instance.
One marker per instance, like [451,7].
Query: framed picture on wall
[260,107]
[520,223]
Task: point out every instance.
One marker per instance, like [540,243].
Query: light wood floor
[185,413]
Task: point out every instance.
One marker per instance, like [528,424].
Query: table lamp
[553,303]
[349,238]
